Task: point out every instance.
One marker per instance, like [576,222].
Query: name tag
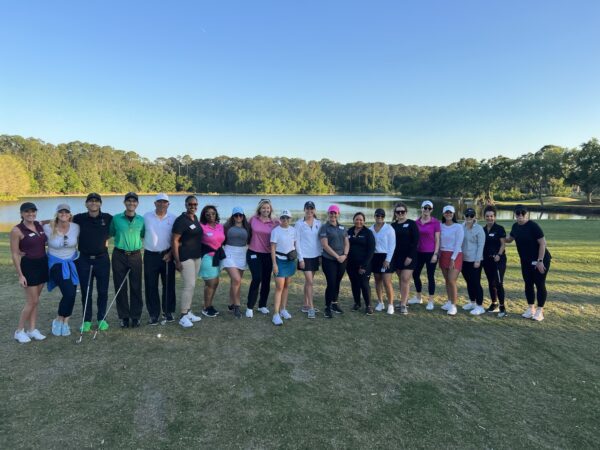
[492,234]
[210,233]
[192,227]
[341,227]
[31,235]
[534,263]
[253,256]
[405,225]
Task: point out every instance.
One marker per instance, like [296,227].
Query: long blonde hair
[54,223]
[264,201]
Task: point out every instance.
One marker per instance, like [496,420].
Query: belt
[99,255]
[163,253]
[128,253]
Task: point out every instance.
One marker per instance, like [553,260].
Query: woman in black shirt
[404,260]
[535,261]
[494,260]
[362,248]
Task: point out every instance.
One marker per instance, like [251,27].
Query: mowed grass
[425,380]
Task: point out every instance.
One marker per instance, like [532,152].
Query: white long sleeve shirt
[385,240]
[452,239]
[308,244]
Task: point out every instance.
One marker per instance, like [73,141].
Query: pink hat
[333,208]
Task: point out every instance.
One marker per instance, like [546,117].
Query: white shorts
[235,257]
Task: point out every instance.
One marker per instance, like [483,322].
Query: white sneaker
[430,306]
[528,314]
[539,315]
[36,335]
[285,314]
[193,317]
[415,301]
[390,309]
[249,313]
[264,310]
[185,322]
[469,306]
[478,310]
[277,319]
[22,337]
[446,305]
[379,306]
[452,310]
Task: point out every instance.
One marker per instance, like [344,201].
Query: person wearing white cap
[237,237]
[385,244]
[451,256]
[62,253]
[427,254]
[283,256]
[158,261]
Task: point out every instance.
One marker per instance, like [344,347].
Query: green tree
[14,180]
[584,168]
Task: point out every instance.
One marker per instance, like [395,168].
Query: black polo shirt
[190,245]
[93,232]
[362,248]
[526,237]
[407,239]
[492,240]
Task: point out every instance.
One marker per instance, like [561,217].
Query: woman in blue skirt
[283,255]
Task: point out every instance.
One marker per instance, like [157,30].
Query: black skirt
[310,264]
[398,262]
[377,264]
[35,270]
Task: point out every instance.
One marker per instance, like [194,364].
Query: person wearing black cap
[128,230]
[309,254]
[93,257]
[28,251]
[472,249]
[535,261]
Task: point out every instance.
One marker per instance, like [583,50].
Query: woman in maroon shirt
[28,250]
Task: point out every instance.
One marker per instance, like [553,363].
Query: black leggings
[359,283]
[67,289]
[422,260]
[472,276]
[534,280]
[334,272]
[261,267]
[494,271]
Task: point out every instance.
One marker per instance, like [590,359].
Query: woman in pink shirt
[213,236]
[259,257]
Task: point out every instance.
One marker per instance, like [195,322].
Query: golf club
[87,293]
[113,300]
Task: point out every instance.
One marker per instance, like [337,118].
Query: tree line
[32,166]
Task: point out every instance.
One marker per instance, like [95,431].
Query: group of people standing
[72,250]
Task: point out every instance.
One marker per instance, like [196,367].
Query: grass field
[425,380]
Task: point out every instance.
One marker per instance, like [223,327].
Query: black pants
[360,284]
[67,289]
[154,268]
[334,272]
[494,272]
[472,276]
[424,259]
[261,267]
[535,281]
[101,273]
[121,262]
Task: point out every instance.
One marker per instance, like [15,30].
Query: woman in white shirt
[62,253]
[451,256]
[283,255]
[309,253]
[385,244]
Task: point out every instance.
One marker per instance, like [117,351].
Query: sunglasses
[520,212]
[400,211]
[210,213]
[379,215]
[65,241]
[470,216]
[192,204]
[238,215]
[428,208]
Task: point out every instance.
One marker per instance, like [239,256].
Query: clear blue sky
[423,82]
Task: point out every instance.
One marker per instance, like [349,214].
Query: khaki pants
[189,273]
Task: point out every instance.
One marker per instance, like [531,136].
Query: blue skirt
[286,268]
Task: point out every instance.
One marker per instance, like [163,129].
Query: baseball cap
[132,195]
[27,206]
[333,208]
[309,205]
[93,196]
[380,212]
[427,203]
[285,213]
[63,206]
[470,211]
[521,208]
[448,208]
[237,210]
[161,196]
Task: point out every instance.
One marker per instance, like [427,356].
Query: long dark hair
[443,219]
[245,225]
[203,220]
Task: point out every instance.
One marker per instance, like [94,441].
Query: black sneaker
[215,312]
[356,307]
[153,321]
[493,308]
[169,317]
[135,323]
[209,312]
[502,314]
[236,312]
[327,314]
[230,307]
[336,309]
[369,311]
[124,323]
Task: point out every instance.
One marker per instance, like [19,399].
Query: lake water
[349,204]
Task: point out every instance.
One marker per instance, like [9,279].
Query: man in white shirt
[158,261]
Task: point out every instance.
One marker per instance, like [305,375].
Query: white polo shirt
[157,237]
[308,242]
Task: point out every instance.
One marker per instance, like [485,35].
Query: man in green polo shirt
[128,231]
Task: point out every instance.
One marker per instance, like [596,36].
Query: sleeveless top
[33,244]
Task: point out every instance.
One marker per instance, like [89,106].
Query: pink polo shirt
[213,237]
[260,241]
[427,234]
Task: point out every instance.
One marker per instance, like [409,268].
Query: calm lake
[349,204]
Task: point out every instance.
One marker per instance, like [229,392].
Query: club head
[78,341]
[163,322]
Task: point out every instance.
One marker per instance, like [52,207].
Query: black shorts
[398,262]
[35,270]
[310,264]
[377,264]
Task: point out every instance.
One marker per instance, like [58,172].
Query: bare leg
[236,284]
[279,287]
[405,279]
[29,312]
[210,287]
[284,292]
[389,288]
[308,288]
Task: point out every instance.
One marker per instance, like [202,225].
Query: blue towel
[69,271]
